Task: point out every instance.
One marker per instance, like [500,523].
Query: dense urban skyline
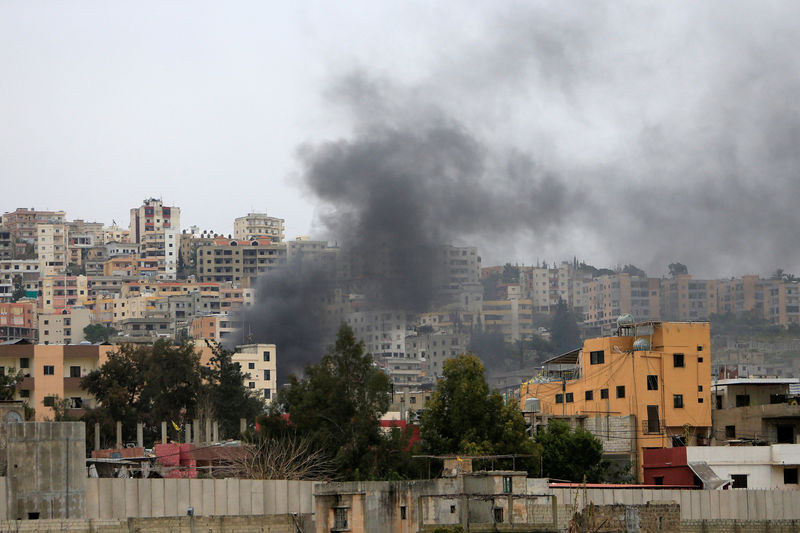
[632,133]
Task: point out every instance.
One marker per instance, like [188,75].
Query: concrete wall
[108,498]
[46,470]
[222,524]
[750,505]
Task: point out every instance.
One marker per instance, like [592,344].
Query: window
[266,356]
[677,401]
[699,348]
[340,518]
[49,401]
[603,394]
[699,400]
[653,425]
[790,476]
[718,401]
[49,370]
[658,480]
[266,375]
[652,382]
[559,398]
[251,366]
[507,484]
[74,371]
[252,384]
[76,403]
[24,393]
[699,359]
[24,362]
[589,395]
[620,391]
[730,432]
[597,357]
[402,512]
[452,509]
[570,398]
[739,481]
[785,433]
[742,400]
[677,360]
[699,388]
[266,394]
[498,514]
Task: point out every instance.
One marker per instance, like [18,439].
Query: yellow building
[652,379]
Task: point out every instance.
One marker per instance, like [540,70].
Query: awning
[710,479]
[569,358]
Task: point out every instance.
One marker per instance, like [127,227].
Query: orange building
[18,320]
[646,387]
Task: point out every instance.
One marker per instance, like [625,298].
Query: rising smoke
[636,133]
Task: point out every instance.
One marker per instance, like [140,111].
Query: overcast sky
[652,132]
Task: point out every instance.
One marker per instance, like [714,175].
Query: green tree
[676,269]
[9,381]
[95,333]
[338,405]
[226,392]
[564,332]
[19,289]
[147,384]
[463,416]
[510,273]
[570,455]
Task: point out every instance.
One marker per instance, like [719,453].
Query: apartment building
[434,347]
[64,326]
[114,233]
[256,225]
[52,248]
[513,318]
[22,223]
[239,262]
[383,331]
[24,270]
[170,288]
[259,364]
[18,320]
[53,371]
[6,244]
[59,292]
[652,378]
[218,328]
[154,216]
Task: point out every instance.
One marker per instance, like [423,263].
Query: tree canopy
[338,404]
[166,382]
[463,416]
[95,333]
[570,454]
[9,381]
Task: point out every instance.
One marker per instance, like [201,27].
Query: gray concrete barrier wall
[108,498]
[751,505]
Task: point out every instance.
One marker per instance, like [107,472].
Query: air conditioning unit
[532,405]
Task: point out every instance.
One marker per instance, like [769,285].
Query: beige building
[238,262]
[52,248]
[258,362]
[64,326]
[256,225]
[59,292]
[153,215]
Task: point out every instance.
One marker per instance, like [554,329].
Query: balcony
[72,383]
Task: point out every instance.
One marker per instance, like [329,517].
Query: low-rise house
[760,410]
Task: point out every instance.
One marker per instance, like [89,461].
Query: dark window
[452,509]
[402,512]
[49,370]
[719,401]
[251,366]
[340,518]
[507,484]
[603,394]
[742,400]
[653,425]
[620,391]
[699,359]
[699,348]
[559,398]
[266,375]
[498,514]
[266,394]
[678,441]
[699,400]
[677,360]
[597,357]
[652,382]
[790,476]
[49,401]
[777,398]
[266,356]
[699,388]
[658,480]
[570,397]
[677,401]
[739,481]
[730,432]
[74,371]
[24,393]
[589,395]
[24,362]
[785,434]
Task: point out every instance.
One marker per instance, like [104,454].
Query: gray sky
[666,131]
